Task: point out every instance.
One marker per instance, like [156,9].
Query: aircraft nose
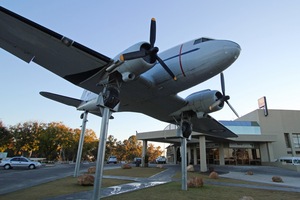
[232,48]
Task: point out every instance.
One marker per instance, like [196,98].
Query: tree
[48,144]
[133,148]
[90,145]
[89,149]
[111,146]
[52,141]
[121,151]
[25,138]
[6,138]
[153,152]
[58,141]
[65,142]
[55,141]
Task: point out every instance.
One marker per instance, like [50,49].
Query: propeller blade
[163,64]
[222,83]
[152,32]
[226,98]
[232,109]
[132,55]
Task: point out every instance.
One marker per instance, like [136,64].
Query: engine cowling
[200,102]
[133,68]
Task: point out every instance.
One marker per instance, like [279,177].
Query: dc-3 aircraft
[137,80]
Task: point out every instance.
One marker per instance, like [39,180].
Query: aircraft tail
[62,99]
[71,101]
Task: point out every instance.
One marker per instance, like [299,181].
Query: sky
[267,31]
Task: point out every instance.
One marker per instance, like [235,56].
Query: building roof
[246,130]
[243,127]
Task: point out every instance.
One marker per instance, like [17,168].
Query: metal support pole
[144,152]
[183,164]
[80,144]
[202,148]
[101,153]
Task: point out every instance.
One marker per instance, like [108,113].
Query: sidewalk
[262,174]
[261,178]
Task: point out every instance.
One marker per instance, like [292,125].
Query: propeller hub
[149,51]
[225,98]
[154,50]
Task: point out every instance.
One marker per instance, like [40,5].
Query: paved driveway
[16,179]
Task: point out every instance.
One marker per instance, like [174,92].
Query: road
[16,179]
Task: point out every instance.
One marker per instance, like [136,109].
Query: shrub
[195,182]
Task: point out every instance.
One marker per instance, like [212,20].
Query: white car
[161,160]
[16,162]
[290,160]
[112,159]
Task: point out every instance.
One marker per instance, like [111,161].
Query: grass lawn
[69,185]
[139,172]
[62,186]
[167,191]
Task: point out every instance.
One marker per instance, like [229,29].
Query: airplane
[137,80]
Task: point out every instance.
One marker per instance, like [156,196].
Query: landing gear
[111,97]
[184,131]
[83,116]
[109,102]
[186,128]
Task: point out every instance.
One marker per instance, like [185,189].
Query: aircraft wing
[211,127]
[163,105]
[32,42]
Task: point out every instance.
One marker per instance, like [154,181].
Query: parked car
[290,160]
[136,159]
[19,162]
[161,160]
[112,159]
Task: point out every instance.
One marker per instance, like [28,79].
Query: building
[284,126]
[263,137]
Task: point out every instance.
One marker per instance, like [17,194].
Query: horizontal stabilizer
[62,99]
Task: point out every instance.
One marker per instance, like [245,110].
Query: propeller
[224,97]
[149,51]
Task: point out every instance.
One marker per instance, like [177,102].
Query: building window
[287,140]
[296,140]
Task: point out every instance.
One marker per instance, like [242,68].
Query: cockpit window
[201,40]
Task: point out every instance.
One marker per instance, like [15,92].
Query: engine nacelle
[133,68]
[200,102]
